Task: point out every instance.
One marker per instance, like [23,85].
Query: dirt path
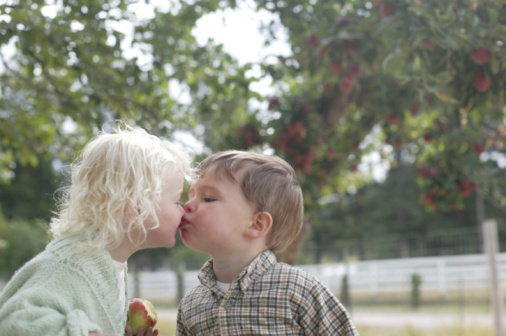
[420,320]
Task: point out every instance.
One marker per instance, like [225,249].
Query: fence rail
[442,275]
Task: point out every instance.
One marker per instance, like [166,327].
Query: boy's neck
[226,268]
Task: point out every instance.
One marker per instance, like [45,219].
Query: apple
[432,173]
[350,47]
[393,119]
[141,313]
[465,186]
[356,70]
[428,44]
[274,103]
[335,67]
[414,109]
[313,41]
[386,10]
[481,82]
[429,200]
[422,172]
[480,55]
[326,50]
[347,83]
[343,21]
[478,148]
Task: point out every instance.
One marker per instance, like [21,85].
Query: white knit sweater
[60,292]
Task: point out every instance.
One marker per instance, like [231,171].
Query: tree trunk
[401,215]
[318,248]
[480,216]
[361,248]
[290,254]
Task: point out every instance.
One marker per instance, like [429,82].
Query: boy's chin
[185,238]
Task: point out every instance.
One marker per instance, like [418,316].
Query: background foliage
[419,83]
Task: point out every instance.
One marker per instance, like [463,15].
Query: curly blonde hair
[116,186]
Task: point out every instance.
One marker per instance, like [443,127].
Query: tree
[30,193]
[365,223]
[71,64]
[20,241]
[429,75]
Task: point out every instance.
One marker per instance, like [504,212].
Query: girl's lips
[183,223]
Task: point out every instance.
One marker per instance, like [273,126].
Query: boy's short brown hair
[270,183]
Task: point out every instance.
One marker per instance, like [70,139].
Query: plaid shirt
[266,298]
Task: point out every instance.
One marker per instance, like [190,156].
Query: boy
[124,197]
[242,209]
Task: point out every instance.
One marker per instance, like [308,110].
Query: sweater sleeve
[29,320]
[55,301]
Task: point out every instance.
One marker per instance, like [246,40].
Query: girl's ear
[130,213]
[262,223]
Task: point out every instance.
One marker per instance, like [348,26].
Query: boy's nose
[188,206]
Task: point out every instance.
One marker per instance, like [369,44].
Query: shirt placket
[223,311]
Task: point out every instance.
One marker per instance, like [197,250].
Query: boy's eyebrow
[204,187]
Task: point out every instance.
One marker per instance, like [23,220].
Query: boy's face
[217,216]
[170,213]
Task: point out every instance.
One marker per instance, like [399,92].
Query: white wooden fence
[439,274]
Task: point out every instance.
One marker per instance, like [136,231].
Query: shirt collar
[256,268]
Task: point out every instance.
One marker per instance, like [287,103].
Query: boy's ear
[262,223]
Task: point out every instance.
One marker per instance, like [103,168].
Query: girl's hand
[140,332]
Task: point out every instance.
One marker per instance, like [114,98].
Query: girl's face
[217,216]
[169,214]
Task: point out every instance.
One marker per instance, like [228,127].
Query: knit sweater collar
[103,277]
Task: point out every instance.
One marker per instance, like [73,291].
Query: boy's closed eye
[209,199]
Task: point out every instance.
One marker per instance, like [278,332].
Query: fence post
[416,281]
[491,249]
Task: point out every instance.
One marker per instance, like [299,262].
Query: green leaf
[394,62]
[495,64]
[445,97]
